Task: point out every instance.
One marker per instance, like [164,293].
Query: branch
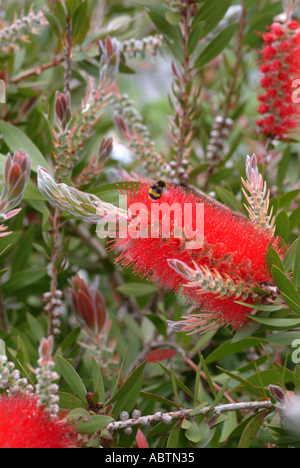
[167,418]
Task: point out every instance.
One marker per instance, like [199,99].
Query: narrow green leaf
[221,393]
[194,38]
[129,382]
[79,18]
[173,32]
[279,323]
[52,20]
[208,377]
[296,275]
[285,285]
[97,380]
[282,225]
[159,399]
[23,279]
[178,382]
[137,289]
[99,421]
[228,348]
[216,46]
[228,198]
[251,430]
[274,259]
[68,401]
[16,140]
[36,329]
[72,378]
[212,12]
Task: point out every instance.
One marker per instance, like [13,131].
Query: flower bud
[16,175]
[62,110]
[110,60]
[88,304]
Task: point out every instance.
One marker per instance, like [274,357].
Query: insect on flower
[156,190]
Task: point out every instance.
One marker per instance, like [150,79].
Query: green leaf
[52,20]
[23,279]
[79,18]
[228,198]
[129,382]
[282,338]
[98,422]
[35,327]
[173,18]
[97,380]
[178,382]
[61,15]
[251,430]
[32,192]
[72,6]
[137,289]
[282,167]
[296,275]
[212,12]
[16,140]
[194,433]
[221,393]
[228,348]
[282,225]
[174,434]
[194,38]
[71,377]
[208,377]
[248,386]
[274,259]
[68,401]
[285,285]
[216,46]
[159,399]
[277,323]
[173,32]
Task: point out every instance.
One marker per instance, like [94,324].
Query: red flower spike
[280,65]
[23,424]
[233,247]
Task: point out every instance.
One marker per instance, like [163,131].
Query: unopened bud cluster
[129,122]
[219,134]
[10,377]
[148,45]
[182,176]
[45,388]
[19,28]
[54,308]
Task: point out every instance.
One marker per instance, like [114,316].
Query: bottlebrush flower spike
[280,65]
[227,268]
[24,424]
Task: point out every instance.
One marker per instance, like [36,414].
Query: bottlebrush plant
[150,216]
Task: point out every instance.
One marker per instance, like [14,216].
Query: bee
[156,190]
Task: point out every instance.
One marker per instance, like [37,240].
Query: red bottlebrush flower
[280,66]
[234,248]
[23,424]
